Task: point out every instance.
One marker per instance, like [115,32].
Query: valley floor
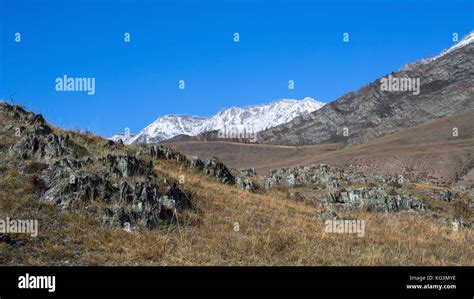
[424,152]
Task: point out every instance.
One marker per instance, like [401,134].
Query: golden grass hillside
[227,226]
[235,228]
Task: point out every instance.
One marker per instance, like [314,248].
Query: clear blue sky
[187,40]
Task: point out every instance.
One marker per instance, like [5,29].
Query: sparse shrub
[3,169]
[297,196]
[38,185]
[12,173]
[90,138]
[35,167]
[393,192]
[395,184]
[461,209]
[319,186]
[282,188]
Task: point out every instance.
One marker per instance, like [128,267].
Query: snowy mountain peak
[253,118]
[468,39]
[167,127]
[124,137]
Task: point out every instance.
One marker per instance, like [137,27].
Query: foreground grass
[228,227]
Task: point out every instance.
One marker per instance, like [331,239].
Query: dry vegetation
[273,230]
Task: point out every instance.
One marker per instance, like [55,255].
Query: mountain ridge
[370,112]
[251,118]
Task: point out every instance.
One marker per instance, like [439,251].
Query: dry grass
[273,230]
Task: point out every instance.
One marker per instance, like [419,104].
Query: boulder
[217,169]
[245,184]
[249,172]
[373,199]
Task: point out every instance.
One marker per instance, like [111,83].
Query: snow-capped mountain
[468,39]
[260,117]
[251,119]
[126,138]
[169,126]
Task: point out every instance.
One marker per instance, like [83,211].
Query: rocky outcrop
[126,166]
[161,152]
[442,194]
[217,169]
[325,215]
[249,172]
[457,223]
[120,189]
[196,164]
[127,186]
[210,167]
[319,175]
[115,184]
[245,184]
[34,145]
[9,240]
[373,199]
[381,194]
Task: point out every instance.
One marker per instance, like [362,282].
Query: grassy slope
[273,230]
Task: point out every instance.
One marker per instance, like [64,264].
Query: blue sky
[188,40]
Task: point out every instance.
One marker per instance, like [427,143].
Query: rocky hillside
[100,202]
[336,189]
[445,89]
[117,184]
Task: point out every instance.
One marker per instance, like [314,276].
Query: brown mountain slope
[427,151]
[445,88]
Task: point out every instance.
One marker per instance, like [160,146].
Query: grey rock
[314,174]
[456,223]
[160,152]
[325,215]
[374,199]
[38,145]
[249,172]
[196,164]
[443,194]
[126,166]
[6,239]
[125,185]
[217,169]
[245,184]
